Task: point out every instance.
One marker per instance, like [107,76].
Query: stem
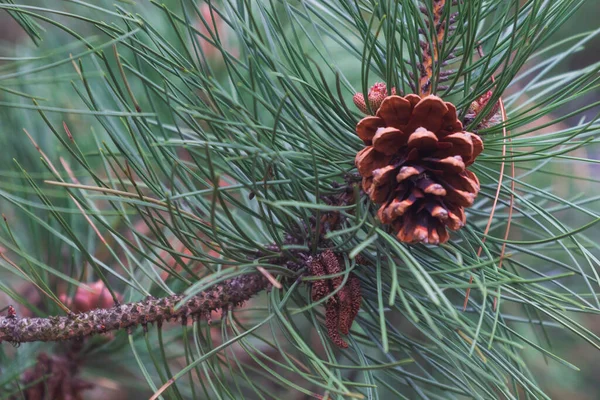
[229,293]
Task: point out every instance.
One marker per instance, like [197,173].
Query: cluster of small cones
[415,164]
[375,97]
[342,308]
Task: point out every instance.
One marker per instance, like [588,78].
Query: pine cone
[415,166]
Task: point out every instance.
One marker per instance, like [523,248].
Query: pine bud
[85,300]
[377,94]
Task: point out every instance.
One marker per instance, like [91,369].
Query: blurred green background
[559,382]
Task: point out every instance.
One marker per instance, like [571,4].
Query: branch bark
[230,293]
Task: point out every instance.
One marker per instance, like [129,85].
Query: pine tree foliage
[172,148]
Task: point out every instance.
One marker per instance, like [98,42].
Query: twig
[229,293]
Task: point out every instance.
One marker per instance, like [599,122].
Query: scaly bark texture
[431,56]
[229,293]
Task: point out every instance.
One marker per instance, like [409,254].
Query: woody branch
[229,293]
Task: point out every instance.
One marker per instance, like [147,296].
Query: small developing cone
[377,94]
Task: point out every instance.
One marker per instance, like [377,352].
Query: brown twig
[229,293]
[430,56]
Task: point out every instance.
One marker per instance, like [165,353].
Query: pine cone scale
[367,127]
[423,140]
[429,114]
[388,140]
[395,111]
[461,144]
[408,171]
[451,164]
[368,160]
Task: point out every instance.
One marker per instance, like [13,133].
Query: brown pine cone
[415,165]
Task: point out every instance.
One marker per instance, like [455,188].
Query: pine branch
[230,293]
[245,128]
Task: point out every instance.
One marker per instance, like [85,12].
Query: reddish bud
[82,301]
[477,107]
[480,103]
[98,296]
[377,94]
